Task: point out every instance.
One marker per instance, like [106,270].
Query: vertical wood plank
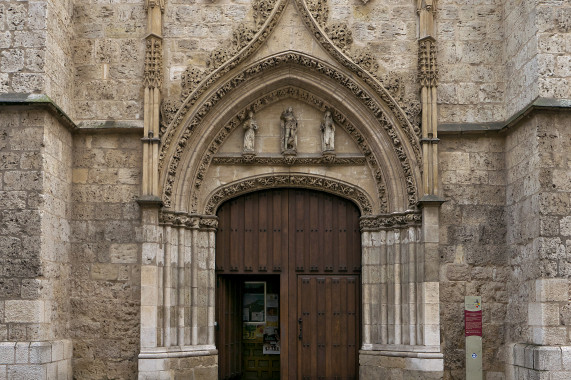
[248,231]
[262,232]
[314,233]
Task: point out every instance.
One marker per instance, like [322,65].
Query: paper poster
[271,341]
[254,309]
[253,331]
[272,300]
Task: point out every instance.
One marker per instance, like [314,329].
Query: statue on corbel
[327,133]
[288,123]
[250,127]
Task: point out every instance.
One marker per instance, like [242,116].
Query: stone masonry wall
[536,51]
[108,53]
[472,246]
[59,69]
[520,54]
[539,243]
[20,223]
[554,48]
[22,46]
[470,50]
[106,277]
[34,227]
[35,167]
[34,49]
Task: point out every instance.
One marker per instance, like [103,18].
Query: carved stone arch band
[405,144]
[289,180]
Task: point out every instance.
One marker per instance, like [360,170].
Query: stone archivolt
[308,63]
[280,180]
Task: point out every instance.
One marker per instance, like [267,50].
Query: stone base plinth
[529,361]
[172,365]
[36,360]
[374,365]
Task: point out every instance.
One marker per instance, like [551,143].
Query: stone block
[565,226]
[547,358]
[40,352]
[7,352]
[22,353]
[104,272]
[32,371]
[425,365]
[23,311]
[51,370]
[549,335]
[57,350]
[152,365]
[543,314]
[551,289]
[559,375]
[124,253]
[458,272]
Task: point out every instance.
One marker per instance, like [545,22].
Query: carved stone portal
[288,123]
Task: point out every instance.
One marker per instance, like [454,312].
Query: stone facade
[121,133]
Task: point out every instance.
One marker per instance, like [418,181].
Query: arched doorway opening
[288,271]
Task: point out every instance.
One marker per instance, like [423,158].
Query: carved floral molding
[278,180]
[332,160]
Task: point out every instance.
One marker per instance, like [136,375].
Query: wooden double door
[306,247]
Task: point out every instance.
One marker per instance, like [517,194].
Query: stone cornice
[42,101]
[545,104]
[38,101]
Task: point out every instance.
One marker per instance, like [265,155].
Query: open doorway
[306,246]
[248,327]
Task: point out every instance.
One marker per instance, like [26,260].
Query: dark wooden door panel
[328,323]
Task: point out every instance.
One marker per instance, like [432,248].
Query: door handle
[300,321]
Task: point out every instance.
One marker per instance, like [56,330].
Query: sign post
[473,332]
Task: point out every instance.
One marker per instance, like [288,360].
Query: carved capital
[425,5]
[390,221]
[150,4]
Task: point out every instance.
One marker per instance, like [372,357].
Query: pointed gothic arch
[393,153]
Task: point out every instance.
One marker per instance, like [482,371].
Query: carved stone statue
[327,133]
[250,127]
[288,124]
